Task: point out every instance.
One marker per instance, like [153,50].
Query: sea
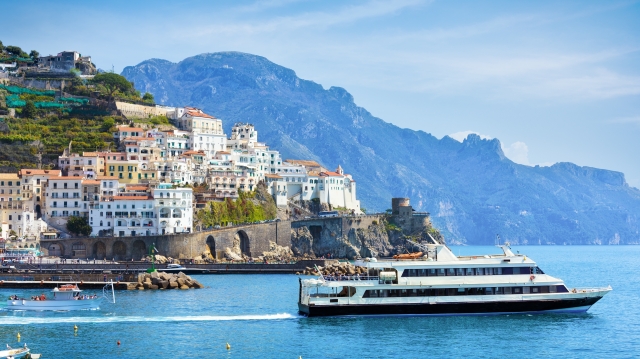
[257,316]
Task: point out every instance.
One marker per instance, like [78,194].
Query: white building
[141,210]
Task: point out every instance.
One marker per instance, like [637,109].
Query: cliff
[380,238]
[471,189]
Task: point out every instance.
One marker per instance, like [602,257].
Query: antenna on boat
[497,241]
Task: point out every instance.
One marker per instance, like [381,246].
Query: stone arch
[99,250]
[139,249]
[79,249]
[119,250]
[211,244]
[55,249]
[245,246]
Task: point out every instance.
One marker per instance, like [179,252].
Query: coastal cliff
[381,238]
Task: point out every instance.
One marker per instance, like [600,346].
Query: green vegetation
[391,227]
[112,83]
[79,225]
[249,207]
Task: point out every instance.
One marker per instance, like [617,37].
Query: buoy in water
[228,346]
[75,328]
[19,336]
[118,342]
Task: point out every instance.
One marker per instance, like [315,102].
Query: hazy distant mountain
[471,189]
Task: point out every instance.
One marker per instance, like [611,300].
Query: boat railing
[589,290]
[339,278]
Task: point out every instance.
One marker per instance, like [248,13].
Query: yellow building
[125,171]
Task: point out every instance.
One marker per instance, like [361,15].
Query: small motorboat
[65,297]
[174,266]
[14,353]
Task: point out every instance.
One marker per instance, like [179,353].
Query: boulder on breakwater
[337,269]
[162,280]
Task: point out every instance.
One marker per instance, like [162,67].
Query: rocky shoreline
[162,280]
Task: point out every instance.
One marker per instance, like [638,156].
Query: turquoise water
[257,316]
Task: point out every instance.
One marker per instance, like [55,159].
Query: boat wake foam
[132,319]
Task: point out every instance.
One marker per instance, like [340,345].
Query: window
[10,217]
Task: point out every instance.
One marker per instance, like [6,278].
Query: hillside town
[146,185]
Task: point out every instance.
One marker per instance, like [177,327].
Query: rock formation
[381,238]
[162,280]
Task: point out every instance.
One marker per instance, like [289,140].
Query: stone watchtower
[400,205]
[405,217]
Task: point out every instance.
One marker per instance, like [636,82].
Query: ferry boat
[441,283]
[65,297]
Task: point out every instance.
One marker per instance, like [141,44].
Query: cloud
[517,152]
[314,20]
[626,120]
[460,136]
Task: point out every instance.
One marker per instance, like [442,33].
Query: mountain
[471,189]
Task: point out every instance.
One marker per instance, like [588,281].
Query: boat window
[470,271]
[516,270]
[507,270]
[422,272]
[517,290]
[537,270]
[451,272]
[552,289]
[460,271]
[562,289]
[497,271]
[440,272]
[432,272]
[535,290]
[479,271]
[526,290]
[499,290]
[488,271]
[488,291]
[544,289]
[507,290]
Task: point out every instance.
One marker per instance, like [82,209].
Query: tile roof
[330,174]
[67,178]
[135,198]
[306,163]
[197,113]
[272,176]
[31,172]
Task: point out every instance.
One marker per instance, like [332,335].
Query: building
[142,210]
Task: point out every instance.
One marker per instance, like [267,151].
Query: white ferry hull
[23,304]
[573,305]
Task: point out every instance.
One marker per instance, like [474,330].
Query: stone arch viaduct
[253,240]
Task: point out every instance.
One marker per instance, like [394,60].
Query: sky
[554,81]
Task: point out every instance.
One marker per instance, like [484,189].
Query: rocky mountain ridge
[471,189]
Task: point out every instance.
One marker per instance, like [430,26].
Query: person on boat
[43,297]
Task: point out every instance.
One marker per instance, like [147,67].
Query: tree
[112,83]
[147,97]
[107,124]
[79,225]
[29,110]
[1,46]
[34,54]
[14,50]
